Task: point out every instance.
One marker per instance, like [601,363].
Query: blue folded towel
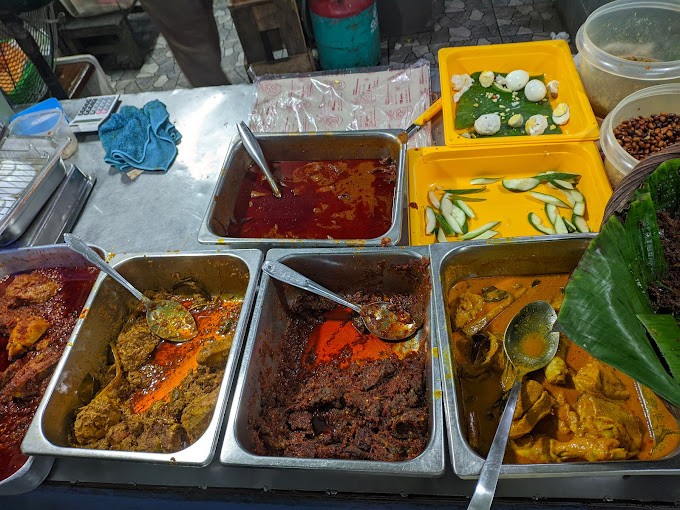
[143,139]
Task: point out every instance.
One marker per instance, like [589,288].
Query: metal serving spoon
[377,317]
[253,148]
[167,319]
[530,343]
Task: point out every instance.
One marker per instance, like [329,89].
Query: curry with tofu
[158,396]
[575,409]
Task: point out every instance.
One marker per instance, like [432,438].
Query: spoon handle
[79,246]
[285,274]
[253,148]
[488,478]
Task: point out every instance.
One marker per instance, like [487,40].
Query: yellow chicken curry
[575,409]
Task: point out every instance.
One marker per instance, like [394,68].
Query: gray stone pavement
[458,23]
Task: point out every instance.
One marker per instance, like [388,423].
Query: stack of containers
[464,159]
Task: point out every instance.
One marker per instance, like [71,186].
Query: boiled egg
[516,80]
[535,90]
[536,125]
[561,114]
[486,78]
[488,124]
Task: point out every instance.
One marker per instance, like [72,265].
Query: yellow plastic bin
[549,58]
[441,168]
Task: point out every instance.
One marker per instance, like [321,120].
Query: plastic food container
[453,168]
[552,59]
[50,122]
[658,99]
[628,45]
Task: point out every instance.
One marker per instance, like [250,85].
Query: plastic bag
[372,98]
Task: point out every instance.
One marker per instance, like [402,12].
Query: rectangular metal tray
[226,271]
[30,171]
[522,256]
[36,469]
[374,144]
[342,269]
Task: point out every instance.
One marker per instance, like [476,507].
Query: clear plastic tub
[627,45]
[51,122]
[658,99]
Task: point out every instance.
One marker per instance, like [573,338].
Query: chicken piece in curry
[158,396]
[575,409]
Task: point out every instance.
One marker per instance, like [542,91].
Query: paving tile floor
[458,23]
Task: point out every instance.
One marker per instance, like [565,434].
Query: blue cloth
[143,139]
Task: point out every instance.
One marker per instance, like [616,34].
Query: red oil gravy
[348,199]
[61,311]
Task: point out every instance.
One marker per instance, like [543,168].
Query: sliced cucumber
[459,216]
[551,213]
[480,230]
[445,226]
[466,191]
[580,223]
[441,237]
[520,184]
[430,220]
[548,199]
[452,221]
[573,196]
[465,208]
[487,235]
[562,184]
[560,227]
[579,208]
[536,222]
[433,199]
[570,226]
[484,180]
[560,176]
[446,205]
[465,198]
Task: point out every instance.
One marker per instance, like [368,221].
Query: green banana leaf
[475,102]
[606,308]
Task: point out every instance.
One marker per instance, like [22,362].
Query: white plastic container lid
[640,28]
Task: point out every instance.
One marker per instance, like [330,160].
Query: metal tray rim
[35,441]
[430,463]
[206,236]
[466,462]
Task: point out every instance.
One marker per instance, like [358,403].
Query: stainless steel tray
[36,469]
[339,269]
[108,305]
[30,170]
[452,262]
[374,144]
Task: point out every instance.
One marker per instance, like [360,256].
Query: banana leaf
[607,309]
[475,102]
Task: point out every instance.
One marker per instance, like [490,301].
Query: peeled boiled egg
[536,125]
[488,124]
[516,80]
[516,120]
[561,114]
[486,78]
[535,90]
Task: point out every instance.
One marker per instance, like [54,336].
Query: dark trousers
[191,31]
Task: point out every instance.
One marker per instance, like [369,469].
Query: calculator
[94,111]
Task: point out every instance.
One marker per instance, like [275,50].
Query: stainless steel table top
[162,211]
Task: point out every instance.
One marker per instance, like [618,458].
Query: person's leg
[191,31]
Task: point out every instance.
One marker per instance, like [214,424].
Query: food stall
[154,222]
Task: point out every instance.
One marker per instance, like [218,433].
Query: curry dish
[158,396]
[575,409]
[38,311]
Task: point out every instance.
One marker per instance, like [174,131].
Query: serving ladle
[529,343]
[378,318]
[166,318]
[253,148]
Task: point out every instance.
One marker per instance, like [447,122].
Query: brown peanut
[642,136]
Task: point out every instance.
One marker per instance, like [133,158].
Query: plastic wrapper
[369,98]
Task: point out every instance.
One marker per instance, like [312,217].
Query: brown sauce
[482,395]
[349,199]
[36,365]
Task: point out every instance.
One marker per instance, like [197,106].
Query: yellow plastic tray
[452,168]
[550,58]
